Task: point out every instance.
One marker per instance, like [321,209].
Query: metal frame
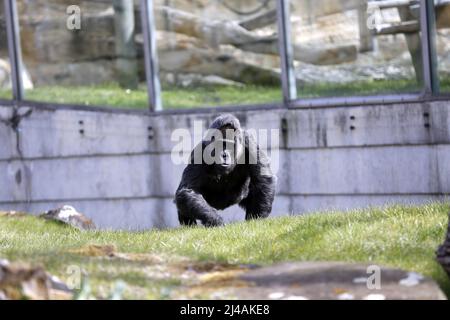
[428,31]
[430,90]
[14,48]
[288,80]
[290,99]
[359,100]
[295,105]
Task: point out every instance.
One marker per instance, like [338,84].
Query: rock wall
[55,55]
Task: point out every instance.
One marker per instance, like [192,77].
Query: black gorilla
[238,172]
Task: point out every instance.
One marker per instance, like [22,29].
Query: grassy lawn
[174,98]
[361,88]
[160,262]
[5,94]
[445,85]
[210,96]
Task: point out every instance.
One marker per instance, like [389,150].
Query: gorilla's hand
[192,206]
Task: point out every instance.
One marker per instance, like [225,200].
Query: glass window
[83,52]
[218,52]
[442,11]
[352,48]
[5,70]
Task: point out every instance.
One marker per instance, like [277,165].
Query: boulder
[69,215]
[324,281]
[20,281]
[5,76]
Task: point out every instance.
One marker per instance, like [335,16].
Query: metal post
[288,80]
[151,58]
[14,49]
[428,31]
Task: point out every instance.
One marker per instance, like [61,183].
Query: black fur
[248,181]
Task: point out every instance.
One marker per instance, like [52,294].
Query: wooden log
[262,20]
[414,43]
[365,35]
[403,27]
[413,26]
[212,32]
[443,16]
[390,4]
[307,54]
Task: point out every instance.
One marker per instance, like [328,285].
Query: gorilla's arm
[190,203]
[258,203]
[192,206]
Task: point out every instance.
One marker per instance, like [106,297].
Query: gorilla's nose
[226,158]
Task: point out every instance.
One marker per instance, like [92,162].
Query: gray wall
[117,168]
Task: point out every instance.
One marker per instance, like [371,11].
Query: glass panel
[352,48]
[219,52]
[443,43]
[5,70]
[83,52]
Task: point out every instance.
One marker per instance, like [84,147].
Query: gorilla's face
[225,147]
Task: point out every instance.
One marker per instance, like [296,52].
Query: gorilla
[227,167]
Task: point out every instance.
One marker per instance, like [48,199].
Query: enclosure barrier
[116,166]
[430,81]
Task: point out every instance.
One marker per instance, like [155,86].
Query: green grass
[445,85]
[210,96]
[5,94]
[174,98]
[360,88]
[219,95]
[397,236]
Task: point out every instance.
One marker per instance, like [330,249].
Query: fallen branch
[215,33]
[306,54]
[389,4]
[212,32]
[262,20]
[404,27]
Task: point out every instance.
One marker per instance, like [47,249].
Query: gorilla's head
[224,143]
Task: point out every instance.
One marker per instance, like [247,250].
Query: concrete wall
[117,168]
